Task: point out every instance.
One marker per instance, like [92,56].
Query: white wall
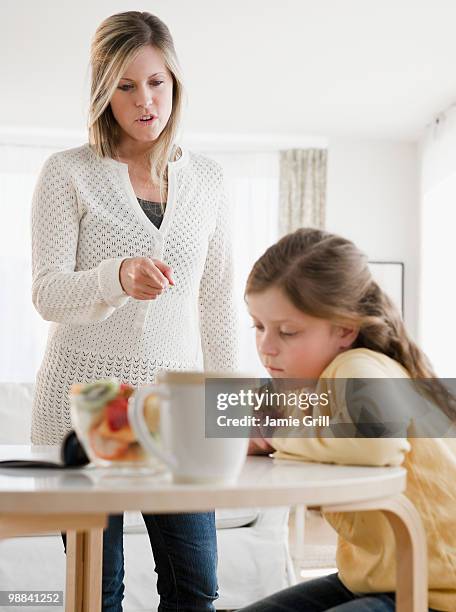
[438,245]
[349,67]
[373,199]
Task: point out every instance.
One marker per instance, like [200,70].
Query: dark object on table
[71,452]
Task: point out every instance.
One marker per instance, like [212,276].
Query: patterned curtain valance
[302,198]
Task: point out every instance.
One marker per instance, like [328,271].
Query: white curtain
[252,181]
[22,331]
[302,189]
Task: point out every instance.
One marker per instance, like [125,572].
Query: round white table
[78,501]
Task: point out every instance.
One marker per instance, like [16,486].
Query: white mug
[180,441]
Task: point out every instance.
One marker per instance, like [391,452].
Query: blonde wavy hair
[327,276]
[116,42]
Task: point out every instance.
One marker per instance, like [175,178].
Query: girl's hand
[259,446]
[143,278]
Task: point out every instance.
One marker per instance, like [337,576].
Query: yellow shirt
[366,546]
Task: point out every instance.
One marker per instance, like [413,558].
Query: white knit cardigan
[85,221]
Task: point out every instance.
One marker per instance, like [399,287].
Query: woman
[131,263]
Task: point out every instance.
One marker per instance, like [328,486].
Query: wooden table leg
[411,555]
[74,571]
[84,551]
[84,569]
[93,566]
[411,549]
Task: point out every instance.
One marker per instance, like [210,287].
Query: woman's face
[291,343]
[145,91]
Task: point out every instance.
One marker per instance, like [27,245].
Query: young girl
[319,314]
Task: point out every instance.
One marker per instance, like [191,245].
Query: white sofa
[254,559]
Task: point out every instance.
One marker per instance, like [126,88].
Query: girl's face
[145,89]
[290,343]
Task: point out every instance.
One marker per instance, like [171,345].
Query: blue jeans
[185,553]
[326,594]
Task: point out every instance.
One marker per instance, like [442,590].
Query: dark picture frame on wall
[390,276]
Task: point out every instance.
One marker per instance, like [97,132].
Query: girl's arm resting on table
[344,451]
[259,446]
[384,406]
[218,320]
[59,293]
